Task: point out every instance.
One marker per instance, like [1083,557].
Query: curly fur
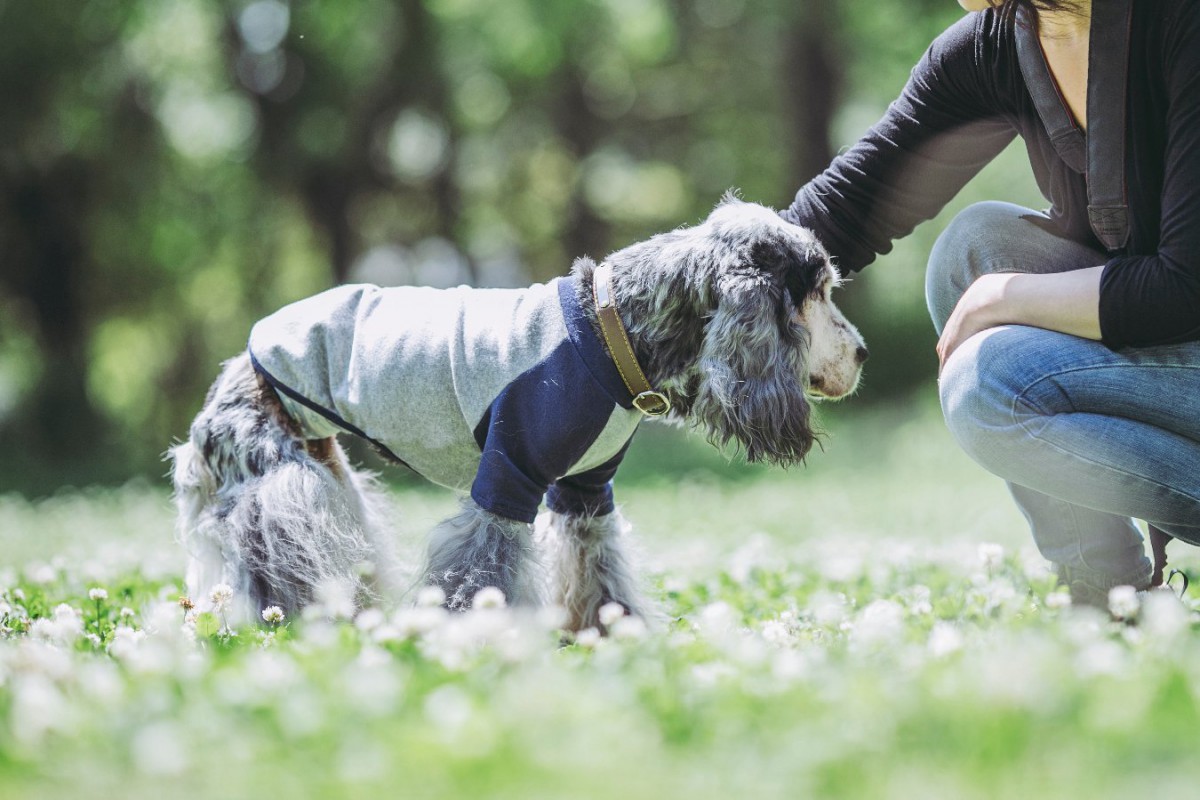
[593,566]
[725,328]
[732,319]
[476,549]
[260,513]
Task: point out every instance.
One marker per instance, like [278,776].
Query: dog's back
[411,368]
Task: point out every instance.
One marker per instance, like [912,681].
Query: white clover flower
[1123,602]
[991,555]
[273,615]
[919,599]
[94,639]
[43,629]
[5,609]
[588,637]
[369,619]
[335,598]
[97,594]
[880,623]
[629,628]
[551,617]
[127,612]
[489,597]
[717,618]
[1058,600]
[68,622]
[1102,658]
[944,639]
[221,596]
[417,621]
[777,632]
[125,642]
[42,574]
[995,594]
[18,594]
[828,609]
[431,597]
[38,707]
[610,613]
[1164,615]
[386,633]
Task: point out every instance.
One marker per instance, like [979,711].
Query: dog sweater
[506,392]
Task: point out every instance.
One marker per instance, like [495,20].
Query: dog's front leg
[476,549]
[593,567]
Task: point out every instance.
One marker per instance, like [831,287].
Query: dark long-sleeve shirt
[964,103]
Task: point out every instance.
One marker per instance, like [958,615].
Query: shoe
[1091,589]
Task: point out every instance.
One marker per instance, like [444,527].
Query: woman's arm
[1068,302]
[947,124]
[1132,301]
[1155,299]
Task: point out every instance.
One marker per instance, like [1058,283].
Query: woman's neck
[1069,24]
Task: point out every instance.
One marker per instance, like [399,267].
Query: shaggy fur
[592,566]
[268,513]
[731,319]
[475,549]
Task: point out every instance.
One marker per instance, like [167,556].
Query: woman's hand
[1067,302]
[981,307]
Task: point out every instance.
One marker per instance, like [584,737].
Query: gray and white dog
[509,397]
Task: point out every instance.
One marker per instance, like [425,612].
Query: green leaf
[207,624]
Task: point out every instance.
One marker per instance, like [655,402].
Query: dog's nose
[862,354]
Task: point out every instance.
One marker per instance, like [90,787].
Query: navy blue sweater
[964,103]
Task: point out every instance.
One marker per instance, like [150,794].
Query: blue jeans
[1088,439]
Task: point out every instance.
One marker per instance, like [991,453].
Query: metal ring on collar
[652,404]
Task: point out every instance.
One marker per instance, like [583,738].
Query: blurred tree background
[171,170]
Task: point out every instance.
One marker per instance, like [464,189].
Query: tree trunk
[813,82]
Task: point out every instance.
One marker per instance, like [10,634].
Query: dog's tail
[273,516]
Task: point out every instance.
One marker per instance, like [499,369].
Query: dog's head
[739,325]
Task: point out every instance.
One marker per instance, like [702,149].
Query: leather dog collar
[645,399]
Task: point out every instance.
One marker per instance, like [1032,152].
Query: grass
[874,625]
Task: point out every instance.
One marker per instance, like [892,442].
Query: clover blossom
[221,596]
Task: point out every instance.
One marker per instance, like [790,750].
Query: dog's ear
[797,265]
[753,368]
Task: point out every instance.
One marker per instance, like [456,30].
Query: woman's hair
[1008,7]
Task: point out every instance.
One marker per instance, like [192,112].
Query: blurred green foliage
[171,170]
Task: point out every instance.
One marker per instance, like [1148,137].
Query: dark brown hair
[1008,7]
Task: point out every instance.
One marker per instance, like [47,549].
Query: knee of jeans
[954,261]
[977,395]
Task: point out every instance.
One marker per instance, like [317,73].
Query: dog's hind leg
[593,567]
[382,576]
[260,512]
[476,549]
[199,531]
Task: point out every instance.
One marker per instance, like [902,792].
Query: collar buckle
[652,404]
[645,399]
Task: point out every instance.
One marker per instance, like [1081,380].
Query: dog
[508,397]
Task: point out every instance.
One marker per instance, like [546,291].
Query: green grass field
[875,625]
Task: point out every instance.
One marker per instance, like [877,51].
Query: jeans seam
[1021,397]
